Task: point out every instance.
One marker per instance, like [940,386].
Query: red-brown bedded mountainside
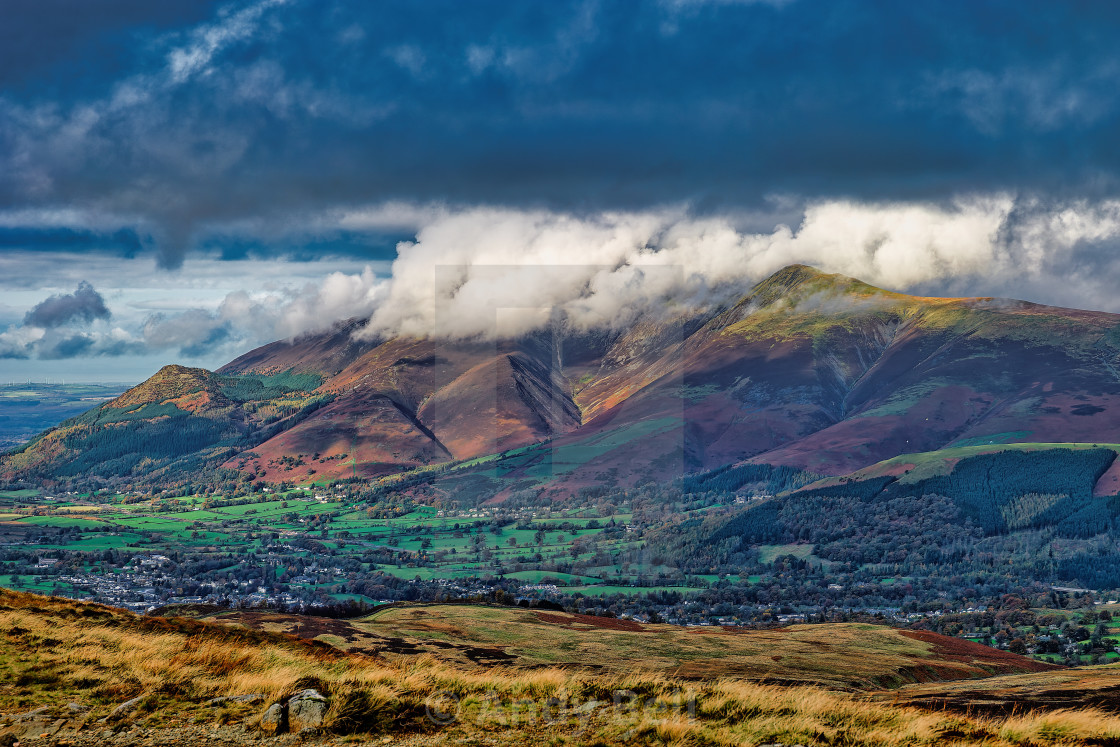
[324,353]
[811,370]
[407,403]
[828,374]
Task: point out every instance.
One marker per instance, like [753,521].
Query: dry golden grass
[839,655]
[56,651]
[1080,688]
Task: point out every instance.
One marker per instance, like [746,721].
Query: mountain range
[807,370]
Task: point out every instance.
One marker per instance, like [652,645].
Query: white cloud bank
[253,318]
[469,269]
[602,270]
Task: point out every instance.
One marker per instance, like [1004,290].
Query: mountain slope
[808,370]
[324,353]
[828,374]
[176,425]
[1046,515]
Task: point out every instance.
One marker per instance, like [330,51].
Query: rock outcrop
[305,710]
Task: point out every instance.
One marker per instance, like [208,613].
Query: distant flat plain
[27,409]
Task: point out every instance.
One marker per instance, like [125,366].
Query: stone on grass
[125,708]
[274,720]
[250,698]
[307,709]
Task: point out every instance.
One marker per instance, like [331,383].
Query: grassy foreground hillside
[1074,688]
[83,674]
[839,656]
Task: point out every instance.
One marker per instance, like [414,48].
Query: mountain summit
[796,282]
[811,370]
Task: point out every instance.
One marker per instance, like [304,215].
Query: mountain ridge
[807,369]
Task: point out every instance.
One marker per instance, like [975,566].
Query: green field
[913,468]
[603,589]
[44,585]
[770,553]
[423,542]
[18,495]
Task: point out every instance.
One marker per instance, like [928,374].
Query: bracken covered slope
[84,674]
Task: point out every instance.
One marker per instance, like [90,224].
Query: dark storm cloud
[63,344]
[71,346]
[373,246]
[207,345]
[125,242]
[267,107]
[194,333]
[68,325]
[83,305]
[40,39]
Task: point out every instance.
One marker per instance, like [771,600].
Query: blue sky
[219,174]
